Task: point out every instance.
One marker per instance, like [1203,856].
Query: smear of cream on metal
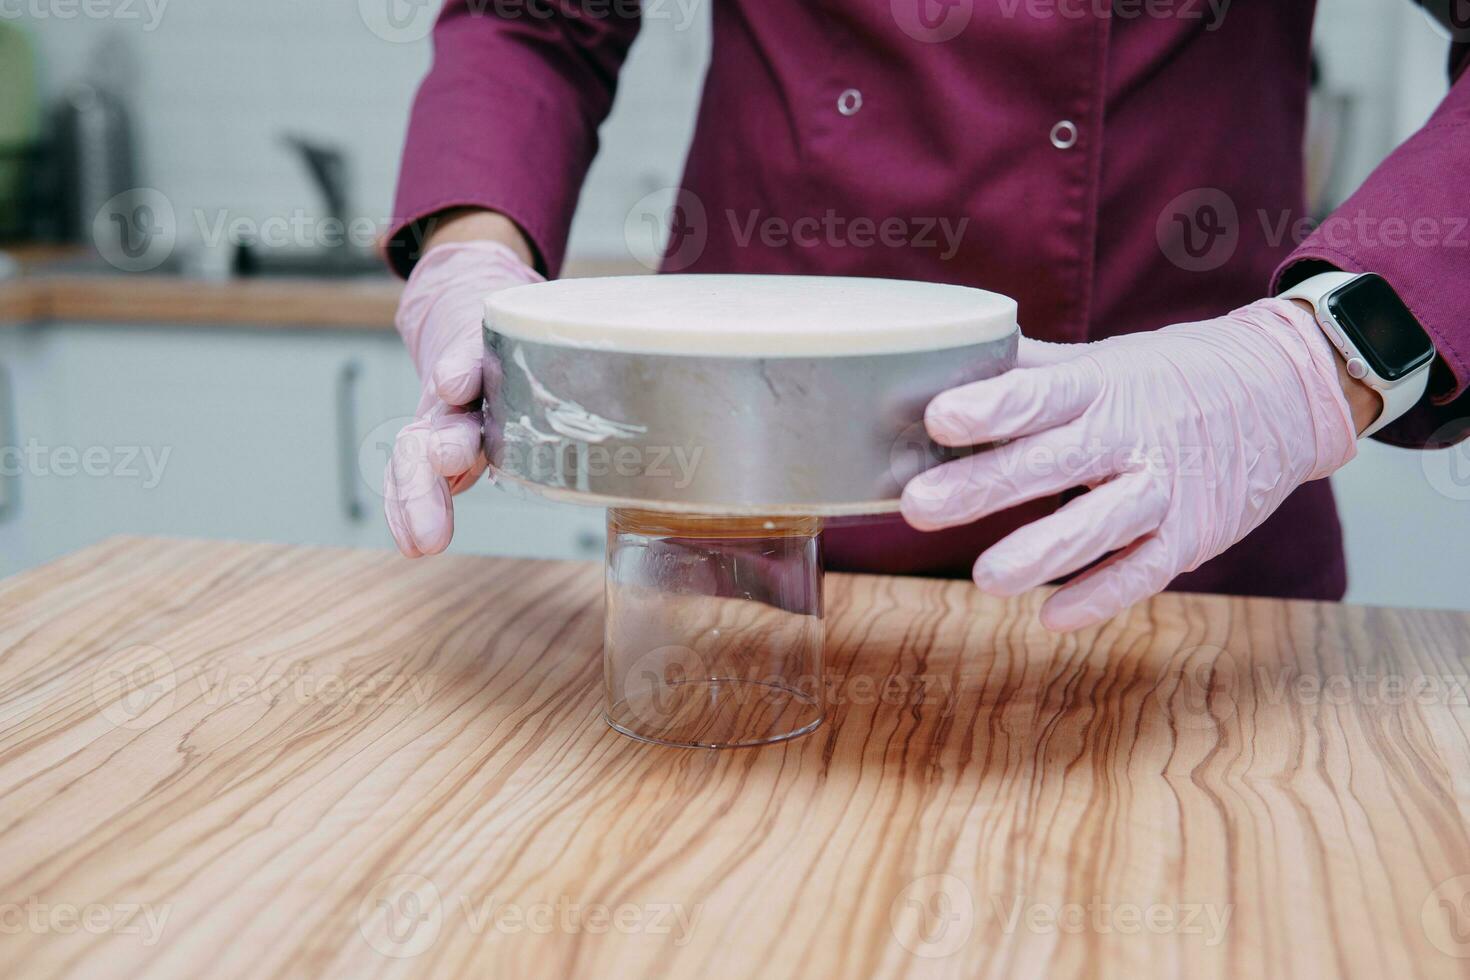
[569,419]
[523,431]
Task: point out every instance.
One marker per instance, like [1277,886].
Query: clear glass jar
[714,630]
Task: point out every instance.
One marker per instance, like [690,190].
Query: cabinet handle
[9,481]
[590,544]
[347,380]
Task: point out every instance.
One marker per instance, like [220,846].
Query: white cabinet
[257,434]
[170,430]
[24,426]
[1406,524]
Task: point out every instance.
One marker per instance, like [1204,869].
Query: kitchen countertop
[42,294]
[121,298]
[254,759]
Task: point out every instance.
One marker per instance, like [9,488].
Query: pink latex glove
[1189,437]
[440,453]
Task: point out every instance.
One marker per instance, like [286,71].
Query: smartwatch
[1380,340]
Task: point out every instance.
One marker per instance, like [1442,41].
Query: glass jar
[714,630]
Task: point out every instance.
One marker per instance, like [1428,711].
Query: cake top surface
[751,315]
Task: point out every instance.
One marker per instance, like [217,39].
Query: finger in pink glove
[440,453]
[1188,438]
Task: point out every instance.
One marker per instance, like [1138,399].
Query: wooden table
[254,760]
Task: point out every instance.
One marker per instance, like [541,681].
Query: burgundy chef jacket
[1115,170]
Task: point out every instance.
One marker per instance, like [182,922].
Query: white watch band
[1398,396]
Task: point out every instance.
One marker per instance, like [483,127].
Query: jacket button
[849,102]
[1064,135]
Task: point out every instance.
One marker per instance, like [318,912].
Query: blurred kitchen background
[236,374]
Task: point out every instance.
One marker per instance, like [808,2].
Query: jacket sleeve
[1410,223]
[507,117]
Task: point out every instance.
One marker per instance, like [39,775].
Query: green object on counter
[19,117]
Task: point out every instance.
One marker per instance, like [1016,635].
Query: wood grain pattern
[19,302]
[366,303]
[317,761]
[166,300]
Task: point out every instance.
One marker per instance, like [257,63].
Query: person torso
[1115,169]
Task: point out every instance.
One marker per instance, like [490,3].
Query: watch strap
[1398,397]
[1314,289]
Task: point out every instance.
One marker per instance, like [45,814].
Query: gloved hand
[1189,437]
[440,453]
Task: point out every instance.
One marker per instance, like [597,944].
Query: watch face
[1381,327]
